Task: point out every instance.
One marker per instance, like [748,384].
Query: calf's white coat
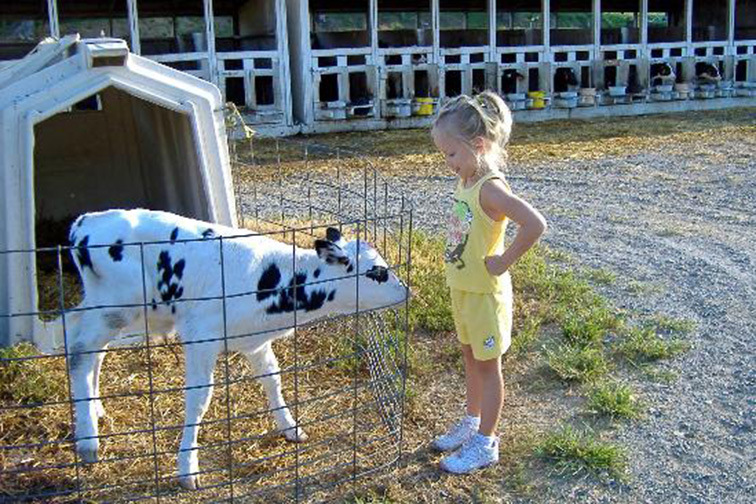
[218,289]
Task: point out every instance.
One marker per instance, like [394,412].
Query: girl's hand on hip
[495,265]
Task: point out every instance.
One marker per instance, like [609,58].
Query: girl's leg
[491,393]
[472,382]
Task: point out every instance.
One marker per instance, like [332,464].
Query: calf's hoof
[189,482]
[99,409]
[295,434]
[87,452]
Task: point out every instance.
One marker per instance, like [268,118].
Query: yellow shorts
[484,321]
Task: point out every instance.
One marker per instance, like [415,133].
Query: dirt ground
[668,205]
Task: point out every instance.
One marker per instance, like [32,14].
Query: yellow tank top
[473,236]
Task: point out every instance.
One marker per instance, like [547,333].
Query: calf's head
[362,271]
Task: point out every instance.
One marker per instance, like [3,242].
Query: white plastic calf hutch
[86,125]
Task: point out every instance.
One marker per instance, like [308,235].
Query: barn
[89,126]
[323,65]
[239,45]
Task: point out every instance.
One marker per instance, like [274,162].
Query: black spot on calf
[82,252]
[208,233]
[170,291]
[116,251]
[178,268]
[174,234]
[75,355]
[289,296]
[268,282]
[378,274]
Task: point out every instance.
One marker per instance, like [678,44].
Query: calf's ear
[330,252]
[333,234]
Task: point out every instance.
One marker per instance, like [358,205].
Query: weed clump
[574,453]
[580,364]
[643,344]
[25,379]
[613,399]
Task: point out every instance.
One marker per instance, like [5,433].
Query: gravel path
[677,227]
[681,229]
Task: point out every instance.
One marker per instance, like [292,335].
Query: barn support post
[729,60]
[688,61]
[212,59]
[136,44]
[644,68]
[546,16]
[492,56]
[544,69]
[597,26]
[598,64]
[52,15]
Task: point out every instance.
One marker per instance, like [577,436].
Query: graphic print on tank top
[460,220]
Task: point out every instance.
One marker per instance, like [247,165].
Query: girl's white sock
[473,420]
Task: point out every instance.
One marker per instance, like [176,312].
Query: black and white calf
[565,80]
[509,81]
[707,73]
[662,74]
[185,279]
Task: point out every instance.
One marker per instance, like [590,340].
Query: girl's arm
[498,203]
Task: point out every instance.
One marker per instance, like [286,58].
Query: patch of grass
[574,363]
[372,498]
[588,326]
[525,334]
[613,399]
[602,276]
[643,344]
[559,256]
[27,381]
[574,453]
[670,324]
[431,305]
[659,375]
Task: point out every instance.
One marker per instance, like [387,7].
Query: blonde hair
[482,116]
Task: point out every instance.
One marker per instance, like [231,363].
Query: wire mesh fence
[342,372]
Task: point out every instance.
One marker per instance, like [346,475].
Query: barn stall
[548,59]
[320,65]
[239,45]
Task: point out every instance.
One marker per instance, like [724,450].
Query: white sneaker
[480,451]
[458,435]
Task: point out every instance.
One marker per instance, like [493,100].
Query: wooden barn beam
[546,16]
[731,25]
[136,45]
[689,24]
[52,13]
[644,26]
[597,25]
[210,42]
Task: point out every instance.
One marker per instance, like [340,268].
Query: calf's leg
[265,364]
[200,362]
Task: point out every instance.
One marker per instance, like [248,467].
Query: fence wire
[343,376]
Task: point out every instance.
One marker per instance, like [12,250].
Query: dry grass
[331,394]
[131,460]
[411,152]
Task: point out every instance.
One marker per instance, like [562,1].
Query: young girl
[472,132]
